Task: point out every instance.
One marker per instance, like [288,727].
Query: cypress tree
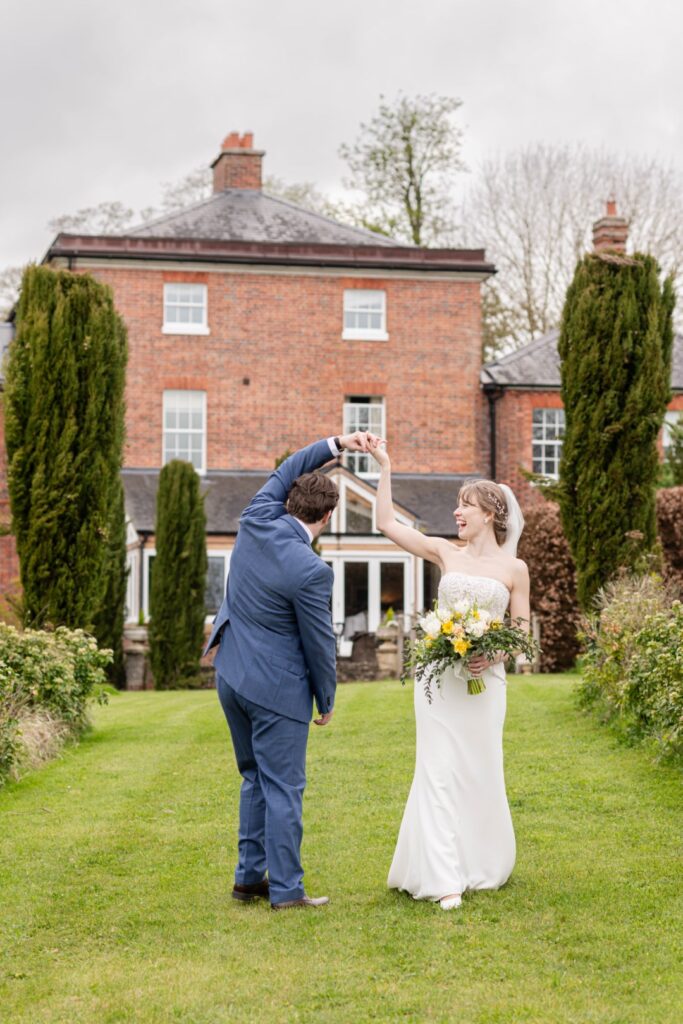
[615,348]
[176,630]
[108,624]
[64,435]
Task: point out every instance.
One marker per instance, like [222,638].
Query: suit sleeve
[269,502]
[312,608]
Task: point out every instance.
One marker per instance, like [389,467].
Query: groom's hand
[324,719]
[359,441]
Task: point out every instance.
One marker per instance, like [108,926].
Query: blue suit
[276,653]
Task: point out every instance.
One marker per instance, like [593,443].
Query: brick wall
[276,371]
[513,437]
[514,411]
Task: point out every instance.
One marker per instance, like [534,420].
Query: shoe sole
[247,897]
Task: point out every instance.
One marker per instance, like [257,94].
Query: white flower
[462,607]
[475,628]
[431,623]
[485,616]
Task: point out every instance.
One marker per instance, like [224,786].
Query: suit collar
[299,528]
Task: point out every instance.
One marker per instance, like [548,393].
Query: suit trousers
[271,757]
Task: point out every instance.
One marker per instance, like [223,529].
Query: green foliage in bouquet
[615,347]
[632,671]
[448,639]
[176,630]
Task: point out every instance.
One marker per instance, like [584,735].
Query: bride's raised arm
[431,548]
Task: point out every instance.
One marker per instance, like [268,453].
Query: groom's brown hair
[311,496]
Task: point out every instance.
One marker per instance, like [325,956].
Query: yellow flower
[496,624]
[461,646]
[428,642]
[474,613]
[447,626]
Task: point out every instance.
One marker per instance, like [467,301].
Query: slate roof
[430,497]
[537,366]
[248,215]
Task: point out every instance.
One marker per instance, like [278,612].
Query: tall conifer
[615,347]
[64,435]
[176,629]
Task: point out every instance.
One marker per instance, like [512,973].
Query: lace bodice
[488,593]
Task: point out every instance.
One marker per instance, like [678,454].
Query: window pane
[215,584]
[355,598]
[358,515]
[391,586]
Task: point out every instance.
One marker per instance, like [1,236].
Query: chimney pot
[238,165]
[610,233]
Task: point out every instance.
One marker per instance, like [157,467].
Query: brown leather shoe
[305,901]
[247,893]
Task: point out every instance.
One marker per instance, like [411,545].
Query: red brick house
[522,391]
[256,326]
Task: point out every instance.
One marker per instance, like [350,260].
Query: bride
[456,832]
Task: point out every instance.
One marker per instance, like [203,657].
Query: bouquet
[448,637]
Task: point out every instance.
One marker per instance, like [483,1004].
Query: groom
[276,653]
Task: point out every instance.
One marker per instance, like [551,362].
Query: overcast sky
[106,100]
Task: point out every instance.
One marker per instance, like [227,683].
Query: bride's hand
[378,449]
[480,663]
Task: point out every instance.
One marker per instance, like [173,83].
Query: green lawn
[116,867]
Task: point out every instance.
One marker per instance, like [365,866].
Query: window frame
[151,552]
[364,333]
[350,459]
[555,444]
[172,327]
[201,470]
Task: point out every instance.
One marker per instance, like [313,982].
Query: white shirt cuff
[333,448]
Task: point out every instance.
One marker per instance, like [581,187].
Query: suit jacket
[274,628]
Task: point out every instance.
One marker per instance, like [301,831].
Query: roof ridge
[174,213]
[530,346]
[337,223]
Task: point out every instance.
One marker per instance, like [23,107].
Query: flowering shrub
[633,665]
[55,673]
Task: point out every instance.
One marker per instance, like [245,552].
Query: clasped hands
[361,441]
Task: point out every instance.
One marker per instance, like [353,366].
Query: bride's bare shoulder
[515,566]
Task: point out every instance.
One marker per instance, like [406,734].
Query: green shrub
[55,673]
[633,665]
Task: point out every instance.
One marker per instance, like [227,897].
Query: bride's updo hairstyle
[489,497]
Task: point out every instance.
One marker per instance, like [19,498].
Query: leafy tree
[615,347]
[404,163]
[10,279]
[64,434]
[108,218]
[176,630]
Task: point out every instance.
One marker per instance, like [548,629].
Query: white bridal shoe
[450,902]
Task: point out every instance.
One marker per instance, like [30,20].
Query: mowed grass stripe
[116,862]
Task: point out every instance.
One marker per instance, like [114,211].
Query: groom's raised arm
[269,502]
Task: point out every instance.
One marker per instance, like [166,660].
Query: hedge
[51,676]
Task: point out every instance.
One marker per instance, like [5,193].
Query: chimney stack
[611,231]
[238,165]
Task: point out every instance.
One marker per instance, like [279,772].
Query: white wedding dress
[457,832]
